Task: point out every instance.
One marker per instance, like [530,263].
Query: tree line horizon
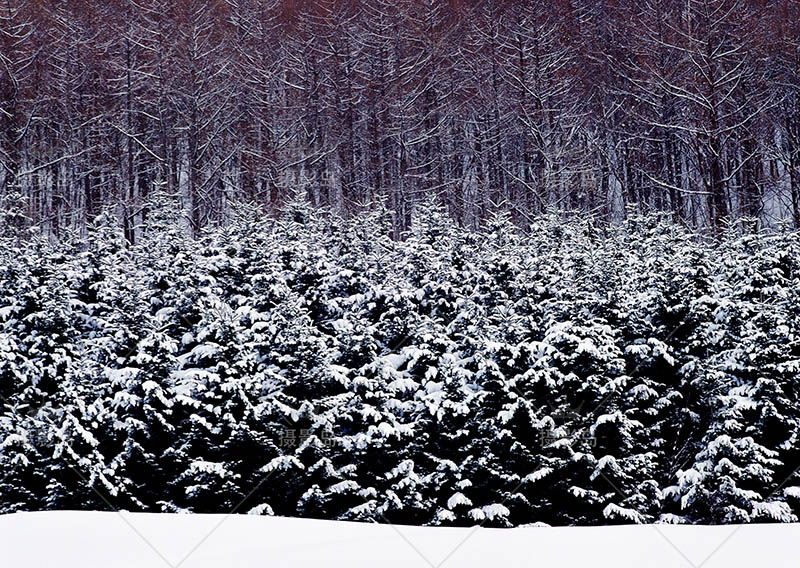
[689,107]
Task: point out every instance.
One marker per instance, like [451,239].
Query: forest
[311,365]
[422,262]
[686,107]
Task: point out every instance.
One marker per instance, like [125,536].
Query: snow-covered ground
[88,539]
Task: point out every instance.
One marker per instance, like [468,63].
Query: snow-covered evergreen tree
[568,373]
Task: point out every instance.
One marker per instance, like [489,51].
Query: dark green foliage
[313,366]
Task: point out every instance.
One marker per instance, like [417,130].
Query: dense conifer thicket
[569,374]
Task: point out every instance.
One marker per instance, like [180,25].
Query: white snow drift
[122,540]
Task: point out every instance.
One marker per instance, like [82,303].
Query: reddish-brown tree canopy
[692,107]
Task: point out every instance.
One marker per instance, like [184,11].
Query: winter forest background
[418,262]
[689,106]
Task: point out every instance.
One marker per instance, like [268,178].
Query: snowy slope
[88,539]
